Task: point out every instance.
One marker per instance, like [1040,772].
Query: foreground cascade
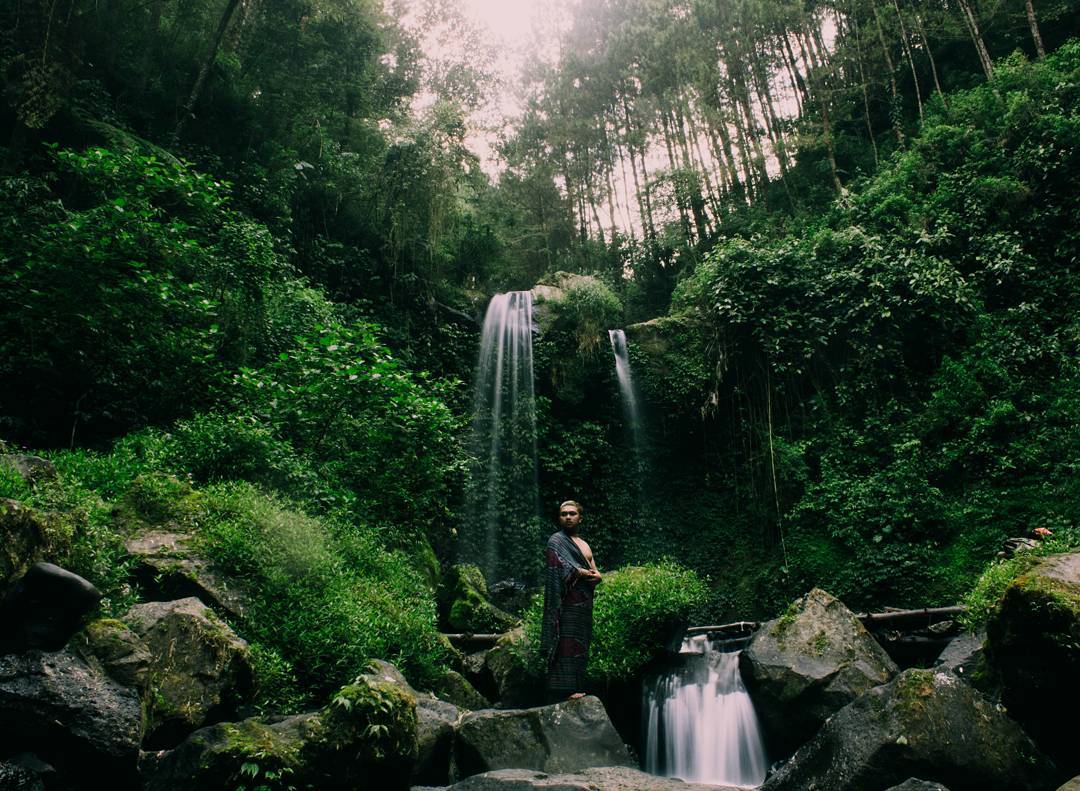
[503,504]
[700,723]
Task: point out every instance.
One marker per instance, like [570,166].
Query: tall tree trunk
[204,69]
[977,39]
[865,87]
[1033,23]
[676,177]
[906,43]
[894,108]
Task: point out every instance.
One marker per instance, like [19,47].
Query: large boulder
[365,738]
[168,568]
[807,664]
[607,778]
[926,724]
[75,718]
[963,654]
[565,737]
[1033,649]
[915,784]
[200,670]
[44,607]
[26,772]
[464,605]
[516,685]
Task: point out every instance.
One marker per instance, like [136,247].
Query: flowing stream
[699,722]
[502,499]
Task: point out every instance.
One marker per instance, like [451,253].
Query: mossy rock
[28,535]
[116,650]
[1033,653]
[364,738]
[464,605]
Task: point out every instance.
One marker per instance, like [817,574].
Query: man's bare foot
[576,695]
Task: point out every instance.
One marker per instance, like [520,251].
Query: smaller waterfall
[627,390]
[700,724]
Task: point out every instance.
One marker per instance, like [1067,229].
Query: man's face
[569,518]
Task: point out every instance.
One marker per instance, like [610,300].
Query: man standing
[570,579]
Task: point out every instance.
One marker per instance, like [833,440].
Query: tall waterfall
[631,412]
[700,724]
[502,498]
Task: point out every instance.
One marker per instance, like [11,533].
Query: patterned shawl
[565,562]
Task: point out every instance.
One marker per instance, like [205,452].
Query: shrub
[636,610]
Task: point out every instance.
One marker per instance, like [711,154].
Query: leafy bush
[636,610]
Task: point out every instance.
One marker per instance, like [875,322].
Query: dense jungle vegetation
[241,275]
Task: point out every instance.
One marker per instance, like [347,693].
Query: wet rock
[113,648]
[464,605]
[516,686]
[44,608]
[963,654]
[1033,649]
[1071,785]
[807,664]
[26,772]
[510,596]
[200,669]
[926,724]
[566,737]
[365,738]
[70,715]
[167,568]
[608,778]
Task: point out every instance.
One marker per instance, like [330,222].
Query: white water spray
[700,724]
[631,412]
[503,493]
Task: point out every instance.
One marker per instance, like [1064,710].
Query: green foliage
[13,485]
[588,310]
[985,596]
[124,302]
[637,610]
[327,597]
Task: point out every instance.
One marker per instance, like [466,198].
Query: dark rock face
[510,596]
[926,724]
[200,671]
[365,738]
[70,715]
[44,608]
[516,686]
[26,772]
[807,664]
[566,737]
[608,778]
[167,568]
[1033,649]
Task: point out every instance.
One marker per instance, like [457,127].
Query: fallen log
[473,640]
[738,627]
[909,618]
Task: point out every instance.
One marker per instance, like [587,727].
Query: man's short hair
[574,503]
